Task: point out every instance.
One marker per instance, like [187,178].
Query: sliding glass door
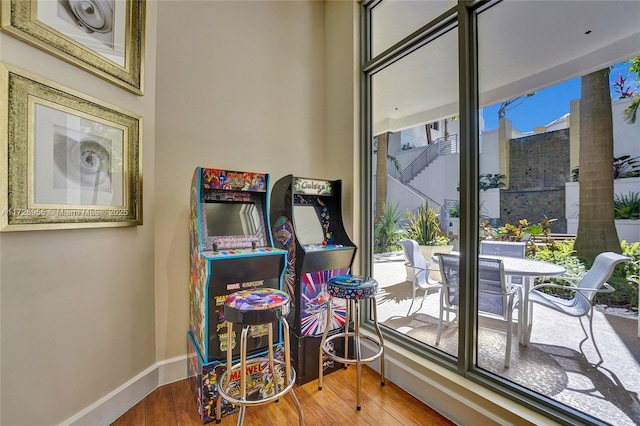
[476,135]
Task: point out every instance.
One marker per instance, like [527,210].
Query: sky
[549,104]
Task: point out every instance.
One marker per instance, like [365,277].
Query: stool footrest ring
[352,360]
[236,400]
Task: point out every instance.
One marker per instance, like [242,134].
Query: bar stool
[251,308]
[352,288]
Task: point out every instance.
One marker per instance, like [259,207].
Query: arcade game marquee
[306,218]
[231,250]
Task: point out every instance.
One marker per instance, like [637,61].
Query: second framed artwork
[73,161]
[105,37]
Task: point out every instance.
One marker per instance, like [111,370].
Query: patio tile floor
[554,364]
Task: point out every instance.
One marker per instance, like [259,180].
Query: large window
[481,124]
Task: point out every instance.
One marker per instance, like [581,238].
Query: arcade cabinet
[231,250]
[306,218]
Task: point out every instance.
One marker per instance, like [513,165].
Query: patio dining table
[528,269]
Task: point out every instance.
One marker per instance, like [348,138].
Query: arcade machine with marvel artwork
[306,219]
[231,250]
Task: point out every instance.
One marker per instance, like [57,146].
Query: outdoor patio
[553,364]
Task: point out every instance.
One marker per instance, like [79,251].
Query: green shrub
[490,181]
[387,229]
[561,253]
[424,226]
[627,206]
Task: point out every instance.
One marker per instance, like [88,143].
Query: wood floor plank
[159,407]
[389,405]
[184,403]
[133,417]
[314,414]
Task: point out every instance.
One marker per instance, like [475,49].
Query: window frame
[462,18]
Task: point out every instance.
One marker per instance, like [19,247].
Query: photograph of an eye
[95,17]
[82,159]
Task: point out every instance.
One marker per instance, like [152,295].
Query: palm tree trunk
[381,176]
[596,224]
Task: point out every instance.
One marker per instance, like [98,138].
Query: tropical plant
[631,112]
[625,167]
[490,181]
[523,231]
[380,145]
[627,206]
[424,226]
[455,211]
[631,250]
[575,174]
[387,229]
[561,253]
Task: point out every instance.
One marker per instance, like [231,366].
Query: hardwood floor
[388,405]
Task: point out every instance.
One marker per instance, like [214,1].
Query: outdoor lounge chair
[504,248]
[420,266]
[581,303]
[495,296]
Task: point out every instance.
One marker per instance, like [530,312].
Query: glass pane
[415,109]
[544,133]
[393,20]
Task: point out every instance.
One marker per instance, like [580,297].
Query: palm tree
[631,112]
[381,176]
[380,148]
[596,224]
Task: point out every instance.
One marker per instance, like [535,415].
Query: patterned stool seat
[256,306]
[352,287]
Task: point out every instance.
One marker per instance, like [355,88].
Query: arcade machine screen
[231,218]
[308,227]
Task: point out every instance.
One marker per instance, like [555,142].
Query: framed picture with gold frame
[105,37]
[73,161]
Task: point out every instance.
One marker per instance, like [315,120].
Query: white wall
[247,94]
[625,135]
[77,306]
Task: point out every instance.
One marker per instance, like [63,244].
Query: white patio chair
[581,303]
[495,296]
[420,266]
[504,248]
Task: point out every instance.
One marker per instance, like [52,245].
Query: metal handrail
[441,146]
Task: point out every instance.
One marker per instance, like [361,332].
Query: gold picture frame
[104,37]
[69,160]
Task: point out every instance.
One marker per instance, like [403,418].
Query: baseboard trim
[457,398]
[119,401]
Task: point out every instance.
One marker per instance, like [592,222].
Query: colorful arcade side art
[306,217]
[231,249]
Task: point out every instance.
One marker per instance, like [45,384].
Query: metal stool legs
[241,399]
[353,308]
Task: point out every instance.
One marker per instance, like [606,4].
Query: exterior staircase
[441,146]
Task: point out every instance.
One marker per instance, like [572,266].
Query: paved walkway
[554,364]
